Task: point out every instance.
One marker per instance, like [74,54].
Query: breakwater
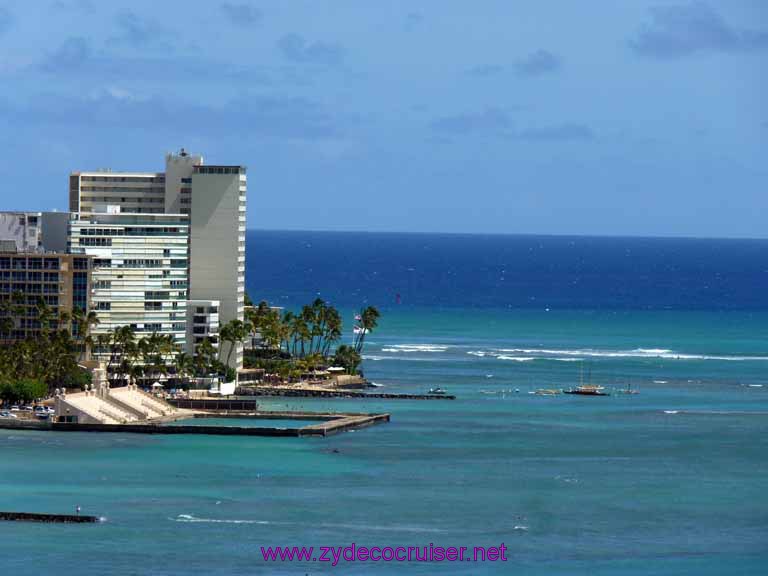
[47,518]
[309,393]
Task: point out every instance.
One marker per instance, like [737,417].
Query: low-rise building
[202,323]
[61,281]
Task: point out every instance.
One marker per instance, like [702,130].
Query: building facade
[217,243]
[62,281]
[140,270]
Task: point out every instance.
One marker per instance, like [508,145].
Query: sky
[545,117]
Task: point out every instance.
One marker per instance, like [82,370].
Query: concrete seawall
[328,425]
[213,404]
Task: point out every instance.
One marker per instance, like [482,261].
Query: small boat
[627,390]
[587,390]
[547,392]
[436,391]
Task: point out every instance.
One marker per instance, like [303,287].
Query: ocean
[667,481]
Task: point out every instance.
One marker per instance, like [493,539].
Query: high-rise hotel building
[161,238]
[217,243]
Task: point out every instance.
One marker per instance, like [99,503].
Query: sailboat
[587,389]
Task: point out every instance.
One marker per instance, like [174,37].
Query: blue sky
[628,118]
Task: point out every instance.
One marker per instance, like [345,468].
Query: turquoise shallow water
[669,481]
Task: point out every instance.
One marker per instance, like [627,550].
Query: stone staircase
[142,401]
[99,409]
[103,405]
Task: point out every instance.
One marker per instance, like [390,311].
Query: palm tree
[64,321]
[83,324]
[205,354]
[284,330]
[122,341]
[333,329]
[368,320]
[185,365]
[45,316]
[233,332]
[300,333]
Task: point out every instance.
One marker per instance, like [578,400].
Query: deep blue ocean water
[668,481]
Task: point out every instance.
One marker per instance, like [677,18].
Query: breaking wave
[415,348]
[515,358]
[189,518]
[194,519]
[566,355]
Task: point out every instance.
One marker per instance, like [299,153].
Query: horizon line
[534,234]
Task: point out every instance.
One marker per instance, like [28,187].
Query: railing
[161,404]
[112,415]
[127,408]
[155,409]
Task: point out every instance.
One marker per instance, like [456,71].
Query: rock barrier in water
[48,518]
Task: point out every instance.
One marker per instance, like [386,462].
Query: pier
[328,424]
[311,393]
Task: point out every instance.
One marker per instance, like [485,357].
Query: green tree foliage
[312,334]
[348,358]
[24,391]
[49,356]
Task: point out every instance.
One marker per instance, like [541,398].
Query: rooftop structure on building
[34,231]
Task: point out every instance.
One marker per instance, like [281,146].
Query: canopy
[157,385]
